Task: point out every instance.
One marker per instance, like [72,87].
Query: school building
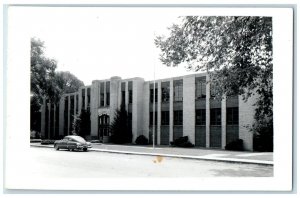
[183,106]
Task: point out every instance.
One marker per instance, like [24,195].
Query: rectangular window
[200,117]
[151,118]
[83,98]
[212,91]
[165,91]
[107,93]
[77,103]
[178,90]
[123,97]
[88,97]
[151,95]
[165,118]
[232,116]
[107,98]
[177,117]
[200,87]
[130,97]
[102,94]
[215,116]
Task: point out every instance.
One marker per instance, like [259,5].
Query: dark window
[200,87]
[212,91]
[165,94]
[151,95]
[200,117]
[107,98]
[130,97]
[108,93]
[215,116]
[165,118]
[232,116]
[77,103]
[102,94]
[88,97]
[123,97]
[83,98]
[130,120]
[177,117]
[178,90]
[151,118]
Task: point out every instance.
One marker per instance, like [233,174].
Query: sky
[98,43]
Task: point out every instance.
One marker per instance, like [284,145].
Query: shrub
[182,142]
[141,140]
[236,145]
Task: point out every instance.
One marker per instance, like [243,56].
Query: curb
[218,159]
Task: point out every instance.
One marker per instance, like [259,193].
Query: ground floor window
[215,116]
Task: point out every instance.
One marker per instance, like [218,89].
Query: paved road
[49,163]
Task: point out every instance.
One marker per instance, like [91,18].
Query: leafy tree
[236,52]
[42,72]
[120,128]
[82,123]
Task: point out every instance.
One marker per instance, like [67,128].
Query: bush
[236,145]
[46,142]
[182,142]
[141,140]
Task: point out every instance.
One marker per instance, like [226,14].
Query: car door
[71,143]
[64,143]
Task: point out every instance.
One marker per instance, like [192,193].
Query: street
[49,163]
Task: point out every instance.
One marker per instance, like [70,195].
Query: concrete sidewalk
[261,158]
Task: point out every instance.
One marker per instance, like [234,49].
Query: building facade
[182,106]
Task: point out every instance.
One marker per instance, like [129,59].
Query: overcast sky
[98,43]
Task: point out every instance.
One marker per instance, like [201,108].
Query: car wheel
[85,149]
[56,147]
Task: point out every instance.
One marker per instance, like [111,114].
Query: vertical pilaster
[104,93]
[43,116]
[189,107]
[75,105]
[61,115]
[223,121]
[54,120]
[207,124]
[69,106]
[171,109]
[49,118]
[126,95]
[86,99]
[158,111]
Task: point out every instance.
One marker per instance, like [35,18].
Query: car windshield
[78,139]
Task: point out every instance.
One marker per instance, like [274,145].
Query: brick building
[184,106]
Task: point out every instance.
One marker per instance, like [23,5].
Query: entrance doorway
[103,127]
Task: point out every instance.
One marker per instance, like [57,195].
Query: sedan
[72,142]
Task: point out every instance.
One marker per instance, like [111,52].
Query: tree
[120,128]
[82,124]
[236,52]
[42,71]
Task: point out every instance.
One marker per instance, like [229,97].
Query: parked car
[72,142]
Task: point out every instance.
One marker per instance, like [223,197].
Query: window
[101,99]
[200,88]
[130,97]
[151,118]
[83,98]
[165,94]
[232,116]
[123,97]
[200,117]
[151,95]
[77,103]
[177,117]
[88,97]
[165,118]
[215,116]
[212,91]
[107,98]
[178,90]
[107,93]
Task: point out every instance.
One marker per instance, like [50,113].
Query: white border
[17,118]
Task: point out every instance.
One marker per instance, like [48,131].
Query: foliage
[120,128]
[263,135]
[82,123]
[236,145]
[141,140]
[46,83]
[235,51]
[182,142]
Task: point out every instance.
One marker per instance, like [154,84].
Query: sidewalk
[261,158]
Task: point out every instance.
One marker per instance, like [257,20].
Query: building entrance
[103,127]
